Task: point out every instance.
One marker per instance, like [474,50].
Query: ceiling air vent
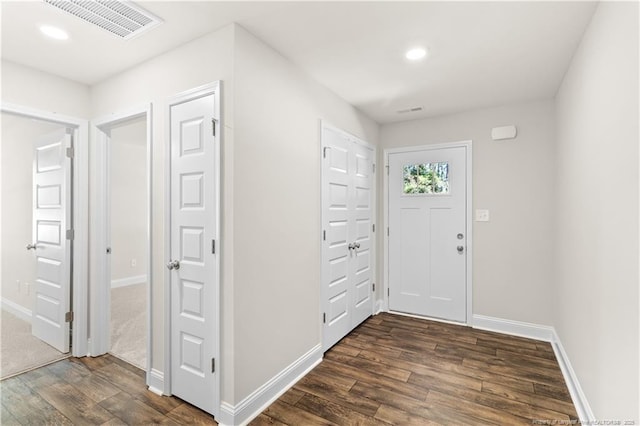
[121,18]
[414,109]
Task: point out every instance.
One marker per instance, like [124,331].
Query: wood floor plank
[374,367]
[186,414]
[131,411]
[27,406]
[354,402]
[530,398]
[335,412]
[74,405]
[535,375]
[289,415]
[264,420]
[483,413]
[411,405]
[392,370]
[293,395]
[455,367]
[6,418]
[360,375]
[557,391]
[394,416]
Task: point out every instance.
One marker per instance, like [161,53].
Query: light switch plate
[482,215]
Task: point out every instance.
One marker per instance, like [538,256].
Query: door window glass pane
[427,178]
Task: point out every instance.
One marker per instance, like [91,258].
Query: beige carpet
[129,324]
[19,350]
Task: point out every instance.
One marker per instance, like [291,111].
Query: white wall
[514,180]
[16,229]
[198,62]
[596,288]
[276,210]
[128,190]
[29,87]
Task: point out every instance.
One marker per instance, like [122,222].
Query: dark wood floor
[401,371]
[391,370]
[90,391]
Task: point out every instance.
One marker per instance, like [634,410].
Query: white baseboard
[379,307]
[155,381]
[254,404]
[514,328]
[17,310]
[547,334]
[575,390]
[123,282]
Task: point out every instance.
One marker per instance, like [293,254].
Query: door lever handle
[32,246]
[174,264]
[460,249]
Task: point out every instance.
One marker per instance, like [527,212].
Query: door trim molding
[189,95]
[80,186]
[467,144]
[101,229]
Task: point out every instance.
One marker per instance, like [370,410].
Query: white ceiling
[481,53]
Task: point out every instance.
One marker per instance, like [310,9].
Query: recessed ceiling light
[416,53]
[54,32]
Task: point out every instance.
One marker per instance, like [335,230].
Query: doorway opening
[122,302]
[37,238]
[128,241]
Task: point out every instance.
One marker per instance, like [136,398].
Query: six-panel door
[193,227]
[52,250]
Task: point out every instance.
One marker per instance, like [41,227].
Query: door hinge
[70,152]
[324,235]
[373,227]
[324,152]
[387,166]
[387,231]
[213,126]
[213,246]
[70,234]
[213,365]
[374,167]
[324,317]
[388,292]
[373,287]
[68,317]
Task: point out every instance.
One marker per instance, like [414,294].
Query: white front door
[51,242]
[347,249]
[193,252]
[427,232]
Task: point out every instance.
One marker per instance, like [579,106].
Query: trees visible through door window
[427,178]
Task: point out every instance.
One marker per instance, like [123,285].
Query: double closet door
[348,200]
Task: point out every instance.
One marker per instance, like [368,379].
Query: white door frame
[374,218]
[468,211]
[100,229]
[189,95]
[80,205]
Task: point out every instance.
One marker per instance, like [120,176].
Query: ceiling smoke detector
[414,109]
[121,18]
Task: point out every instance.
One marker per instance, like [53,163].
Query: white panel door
[347,216]
[193,229]
[361,231]
[52,250]
[427,223]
